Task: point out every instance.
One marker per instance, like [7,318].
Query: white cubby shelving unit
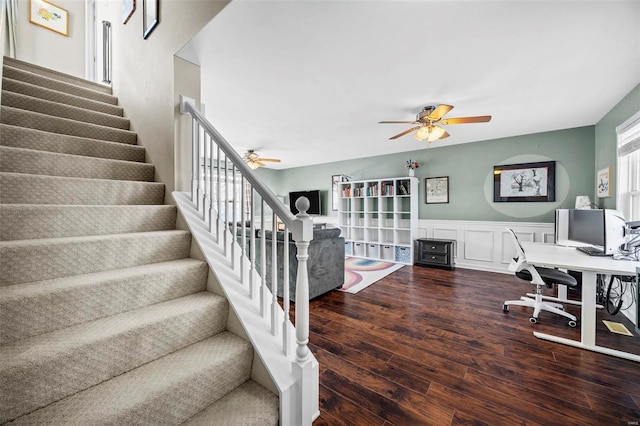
[379,218]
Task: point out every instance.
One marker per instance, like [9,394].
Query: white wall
[143,74]
[49,49]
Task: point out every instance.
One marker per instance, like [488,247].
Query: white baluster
[263,261]
[194,161]
[243,230]
[199,184]
[211,187]
[225,226]
[234,222]
[285,294]
[205,193]
[252,230]
[218,197]
[274,274]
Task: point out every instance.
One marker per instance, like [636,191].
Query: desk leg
[562,292]
[588,320]
[588,323]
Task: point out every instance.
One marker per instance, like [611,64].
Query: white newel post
[302,366]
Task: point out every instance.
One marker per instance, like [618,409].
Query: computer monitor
[603,229]
[587,227]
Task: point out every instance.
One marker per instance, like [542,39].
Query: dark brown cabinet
[435,253]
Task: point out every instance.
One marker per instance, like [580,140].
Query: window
[628,199]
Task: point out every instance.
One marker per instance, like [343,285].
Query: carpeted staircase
[104,317]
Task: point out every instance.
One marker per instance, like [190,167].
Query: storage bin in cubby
[348,248]
[403,255]
[387,253]
[373,251]
[358,249]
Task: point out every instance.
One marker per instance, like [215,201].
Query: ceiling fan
[254,161]
[428,119]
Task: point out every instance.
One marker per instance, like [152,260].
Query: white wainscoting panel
[507,249]
[478,245]
[485,245]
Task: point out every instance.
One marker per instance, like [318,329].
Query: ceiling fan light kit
[430,133]
[254,161]
[427,121]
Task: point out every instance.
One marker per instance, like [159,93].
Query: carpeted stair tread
[65,126]
[56,75]
[54,109]
[70,360]
[250,404]
[35,308]
[17,86]
[29,221]
[167,391]
[104,317]
[20,188]
[57,84]
[25,261]
[22,137]
[20,160]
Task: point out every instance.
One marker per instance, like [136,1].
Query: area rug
[361,273]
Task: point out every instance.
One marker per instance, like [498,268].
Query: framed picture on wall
[436,190]
[335,191]
[528,182]
[128,7]
[150,16]
[602,183]
[49,16]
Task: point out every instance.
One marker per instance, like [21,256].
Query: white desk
[553,256]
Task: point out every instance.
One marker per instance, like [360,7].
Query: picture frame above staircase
[128,7]
[150,16]
[48,15]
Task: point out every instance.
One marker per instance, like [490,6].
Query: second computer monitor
[604,229]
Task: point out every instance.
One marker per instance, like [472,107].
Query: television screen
[314,200]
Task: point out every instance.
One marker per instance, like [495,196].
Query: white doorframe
[90,40]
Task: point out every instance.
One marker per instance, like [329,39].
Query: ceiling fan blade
[405,132]
[445,135]
[463,120]
[397,122]
[271,160]
[259,163]
[439,112]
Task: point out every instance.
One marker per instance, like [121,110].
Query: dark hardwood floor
[432,347]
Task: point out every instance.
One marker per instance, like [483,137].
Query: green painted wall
[470,171]
[606,140]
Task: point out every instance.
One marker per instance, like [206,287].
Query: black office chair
[539,277]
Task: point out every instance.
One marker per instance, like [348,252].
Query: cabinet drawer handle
[433,247]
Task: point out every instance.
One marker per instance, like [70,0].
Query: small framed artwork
[335,191]
[602,183]
[527,182]
[150,16]
[436,190]
[128,7]
[49,16]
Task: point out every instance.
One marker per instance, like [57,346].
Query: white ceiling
[307,81]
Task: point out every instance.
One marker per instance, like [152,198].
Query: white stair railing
[225,192]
